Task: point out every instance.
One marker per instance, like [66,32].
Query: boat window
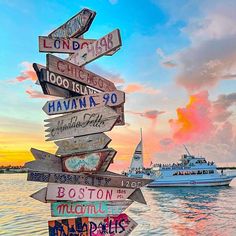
[211,171]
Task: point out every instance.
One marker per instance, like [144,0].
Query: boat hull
[191,183]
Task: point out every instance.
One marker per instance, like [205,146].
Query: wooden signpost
[67,69]
[82,144]
[89,209]
[77,192]
[78,181]
[96,120]
[120,225]
[66,45]
[86,162]
[72,104]
[75,26]
[46,76]
[109,42]
[101,179]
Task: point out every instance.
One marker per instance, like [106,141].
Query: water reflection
[189,211]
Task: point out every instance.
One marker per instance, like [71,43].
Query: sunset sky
[177,65]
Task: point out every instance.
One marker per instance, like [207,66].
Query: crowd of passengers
[199,172]
[176,165]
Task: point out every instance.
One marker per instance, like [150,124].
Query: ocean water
[208,211]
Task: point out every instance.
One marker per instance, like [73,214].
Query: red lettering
[61,66]
[44,44]
[81,193]
[109,194]
[71,193]
[91,192]
[99,194]
[61,192]
[65,43]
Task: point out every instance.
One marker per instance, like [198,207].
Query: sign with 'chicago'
[80,123]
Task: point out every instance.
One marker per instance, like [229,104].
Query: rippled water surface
[170,211]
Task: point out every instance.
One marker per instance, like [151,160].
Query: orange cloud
[193,122]
[138,88]
[27,73]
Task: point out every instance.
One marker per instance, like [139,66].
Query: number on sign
[109,40]
[112,98]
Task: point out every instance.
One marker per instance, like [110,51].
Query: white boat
[189,171]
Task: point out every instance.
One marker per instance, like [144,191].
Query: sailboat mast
[141,133]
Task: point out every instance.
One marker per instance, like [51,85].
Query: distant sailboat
[136,168]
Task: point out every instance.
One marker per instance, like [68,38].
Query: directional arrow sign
[61,106]
[44,161]
[106,179]
[86,193]
[62,67]
[51,89]
[108,43]
[65,45]
[82,144]
[89,209]
[96,120]
[46,76]
[62,45]
[75,26]
[121,225]
[108,160]
[87,162]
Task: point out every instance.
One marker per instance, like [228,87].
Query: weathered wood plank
[108,161]
[61,106]
[50,89]
[44,161]
[120,111]
[106,179]
[67,192]
[121,225]
[47,76]
[82,144]
[86,162]
[67,69]
[76,25]
[80,123]
[62,45]
[107,43]
[89,209]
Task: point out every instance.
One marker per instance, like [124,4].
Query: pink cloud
[35,94]
[27,73]
[138,88]
[152,114]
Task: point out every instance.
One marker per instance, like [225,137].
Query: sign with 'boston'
[60,106]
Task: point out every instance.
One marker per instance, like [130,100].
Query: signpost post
[78,181]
